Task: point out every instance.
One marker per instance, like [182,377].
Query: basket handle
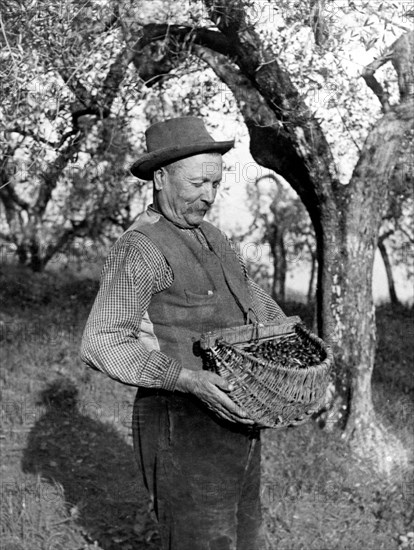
[256,323]
[249,317]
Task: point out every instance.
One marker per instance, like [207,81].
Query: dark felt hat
[175,139]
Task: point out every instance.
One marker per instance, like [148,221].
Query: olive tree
[287,137]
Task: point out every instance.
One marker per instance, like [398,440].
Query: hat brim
[146,164]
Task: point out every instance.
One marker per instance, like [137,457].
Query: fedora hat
[175,139]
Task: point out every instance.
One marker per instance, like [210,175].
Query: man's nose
[209,194]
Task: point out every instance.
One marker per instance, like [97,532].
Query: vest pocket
[201,298]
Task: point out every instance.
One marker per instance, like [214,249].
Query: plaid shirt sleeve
[134,270]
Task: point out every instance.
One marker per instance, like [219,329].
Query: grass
[69,479]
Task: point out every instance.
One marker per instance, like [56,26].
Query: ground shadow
[96,469]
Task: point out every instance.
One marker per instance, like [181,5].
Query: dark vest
[209,290]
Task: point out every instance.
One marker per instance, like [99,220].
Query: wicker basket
[279,371]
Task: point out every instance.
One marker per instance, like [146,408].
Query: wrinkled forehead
[203,165]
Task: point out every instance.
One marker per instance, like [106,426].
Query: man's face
[186,190]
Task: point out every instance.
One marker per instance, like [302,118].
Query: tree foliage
[65,148]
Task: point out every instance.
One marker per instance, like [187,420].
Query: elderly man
[169,278]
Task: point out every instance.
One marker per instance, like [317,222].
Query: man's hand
[211,388]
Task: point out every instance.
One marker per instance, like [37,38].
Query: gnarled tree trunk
[351,241]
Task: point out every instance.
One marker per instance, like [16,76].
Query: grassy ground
[69,480]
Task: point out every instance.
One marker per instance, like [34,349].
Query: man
[169,278]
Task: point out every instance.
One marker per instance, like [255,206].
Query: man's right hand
[211,389]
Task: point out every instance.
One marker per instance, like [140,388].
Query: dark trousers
[203,475]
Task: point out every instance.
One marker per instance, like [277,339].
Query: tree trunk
[351,241]
[388,271]
[311,294]
[277,247]
[36,264]
[22,255]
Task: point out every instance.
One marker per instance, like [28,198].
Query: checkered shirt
[134,271]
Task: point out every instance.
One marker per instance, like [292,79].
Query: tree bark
[348,273]
[310,294]
[388,270]
[22,254]
[36,263]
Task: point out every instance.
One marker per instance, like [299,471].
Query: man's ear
[159,178]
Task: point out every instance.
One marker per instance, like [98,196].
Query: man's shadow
[96,468]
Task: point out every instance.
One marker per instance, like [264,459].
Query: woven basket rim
[266,363]
[325,363]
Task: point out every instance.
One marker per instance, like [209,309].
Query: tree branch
[317,21]
[384,236]
[263,69]
[66,236]
[185,35]
[368,75]
[7,191]
[380,15]
[301,135]
[11,191]
[6,237]
[405,232]
[267,131]
[35,137]
[400,53]
[101,108]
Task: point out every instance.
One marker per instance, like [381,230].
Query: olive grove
[107,60]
